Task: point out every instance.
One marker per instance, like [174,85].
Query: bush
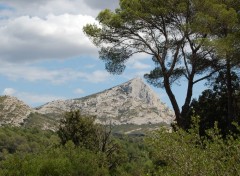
[13,139]
[187,153]
[80,129]
[59,161]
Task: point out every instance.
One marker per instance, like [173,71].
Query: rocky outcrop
[13,111]
[132,102]
[131,106]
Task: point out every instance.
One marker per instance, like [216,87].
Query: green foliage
[121,156]
[137,27]
[132,159]
[40,121]
[80,129]
[13,139]
[212,104]
[59,161]
[160,153]
[187,153]
[215,15]
[221,21]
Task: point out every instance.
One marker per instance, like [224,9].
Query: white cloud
[43,7]
[55,37]
[135,62]
[47,29]
[33,73]
[9,91]
[98,76]
[139,57]
[140,66]
[132,75]
[96,4]
[79,91]
[90,66]
[31,98]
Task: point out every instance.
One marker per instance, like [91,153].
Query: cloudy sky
[45,56]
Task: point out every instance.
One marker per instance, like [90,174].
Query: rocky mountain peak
[131,106]
[13,111]
[137,89]
[132,102]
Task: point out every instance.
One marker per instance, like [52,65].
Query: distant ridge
[129,104]
[13,111]
[132,102]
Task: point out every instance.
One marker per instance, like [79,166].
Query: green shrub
[61,161]
[187,153]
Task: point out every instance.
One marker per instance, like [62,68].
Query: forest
[190,40]
[82,147]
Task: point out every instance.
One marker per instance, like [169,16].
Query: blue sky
[45,55]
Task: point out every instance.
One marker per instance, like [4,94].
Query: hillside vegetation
[81,147]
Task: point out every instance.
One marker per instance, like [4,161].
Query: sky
[45,55]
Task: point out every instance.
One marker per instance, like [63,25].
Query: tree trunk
[230,93]
[174,103]
[186,106]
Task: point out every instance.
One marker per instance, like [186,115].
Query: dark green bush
[61,161]
[187,153]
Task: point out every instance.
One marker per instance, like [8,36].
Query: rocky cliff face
[132,102]
[131,107]
[13,111]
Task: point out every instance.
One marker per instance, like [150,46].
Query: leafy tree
[222,21]
[36,152]
[80,129]
[84,132]
[13,139]
[187,153]
[162,29]
[60,161]
[212,104]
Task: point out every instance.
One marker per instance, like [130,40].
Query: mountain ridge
[132,102]
[121,100]
[11,107]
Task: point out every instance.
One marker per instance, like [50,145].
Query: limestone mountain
[16,113]
[131,107]
[13,111]
[132,102]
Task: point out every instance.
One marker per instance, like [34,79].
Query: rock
[129,104]
[13,111]
[132,102]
